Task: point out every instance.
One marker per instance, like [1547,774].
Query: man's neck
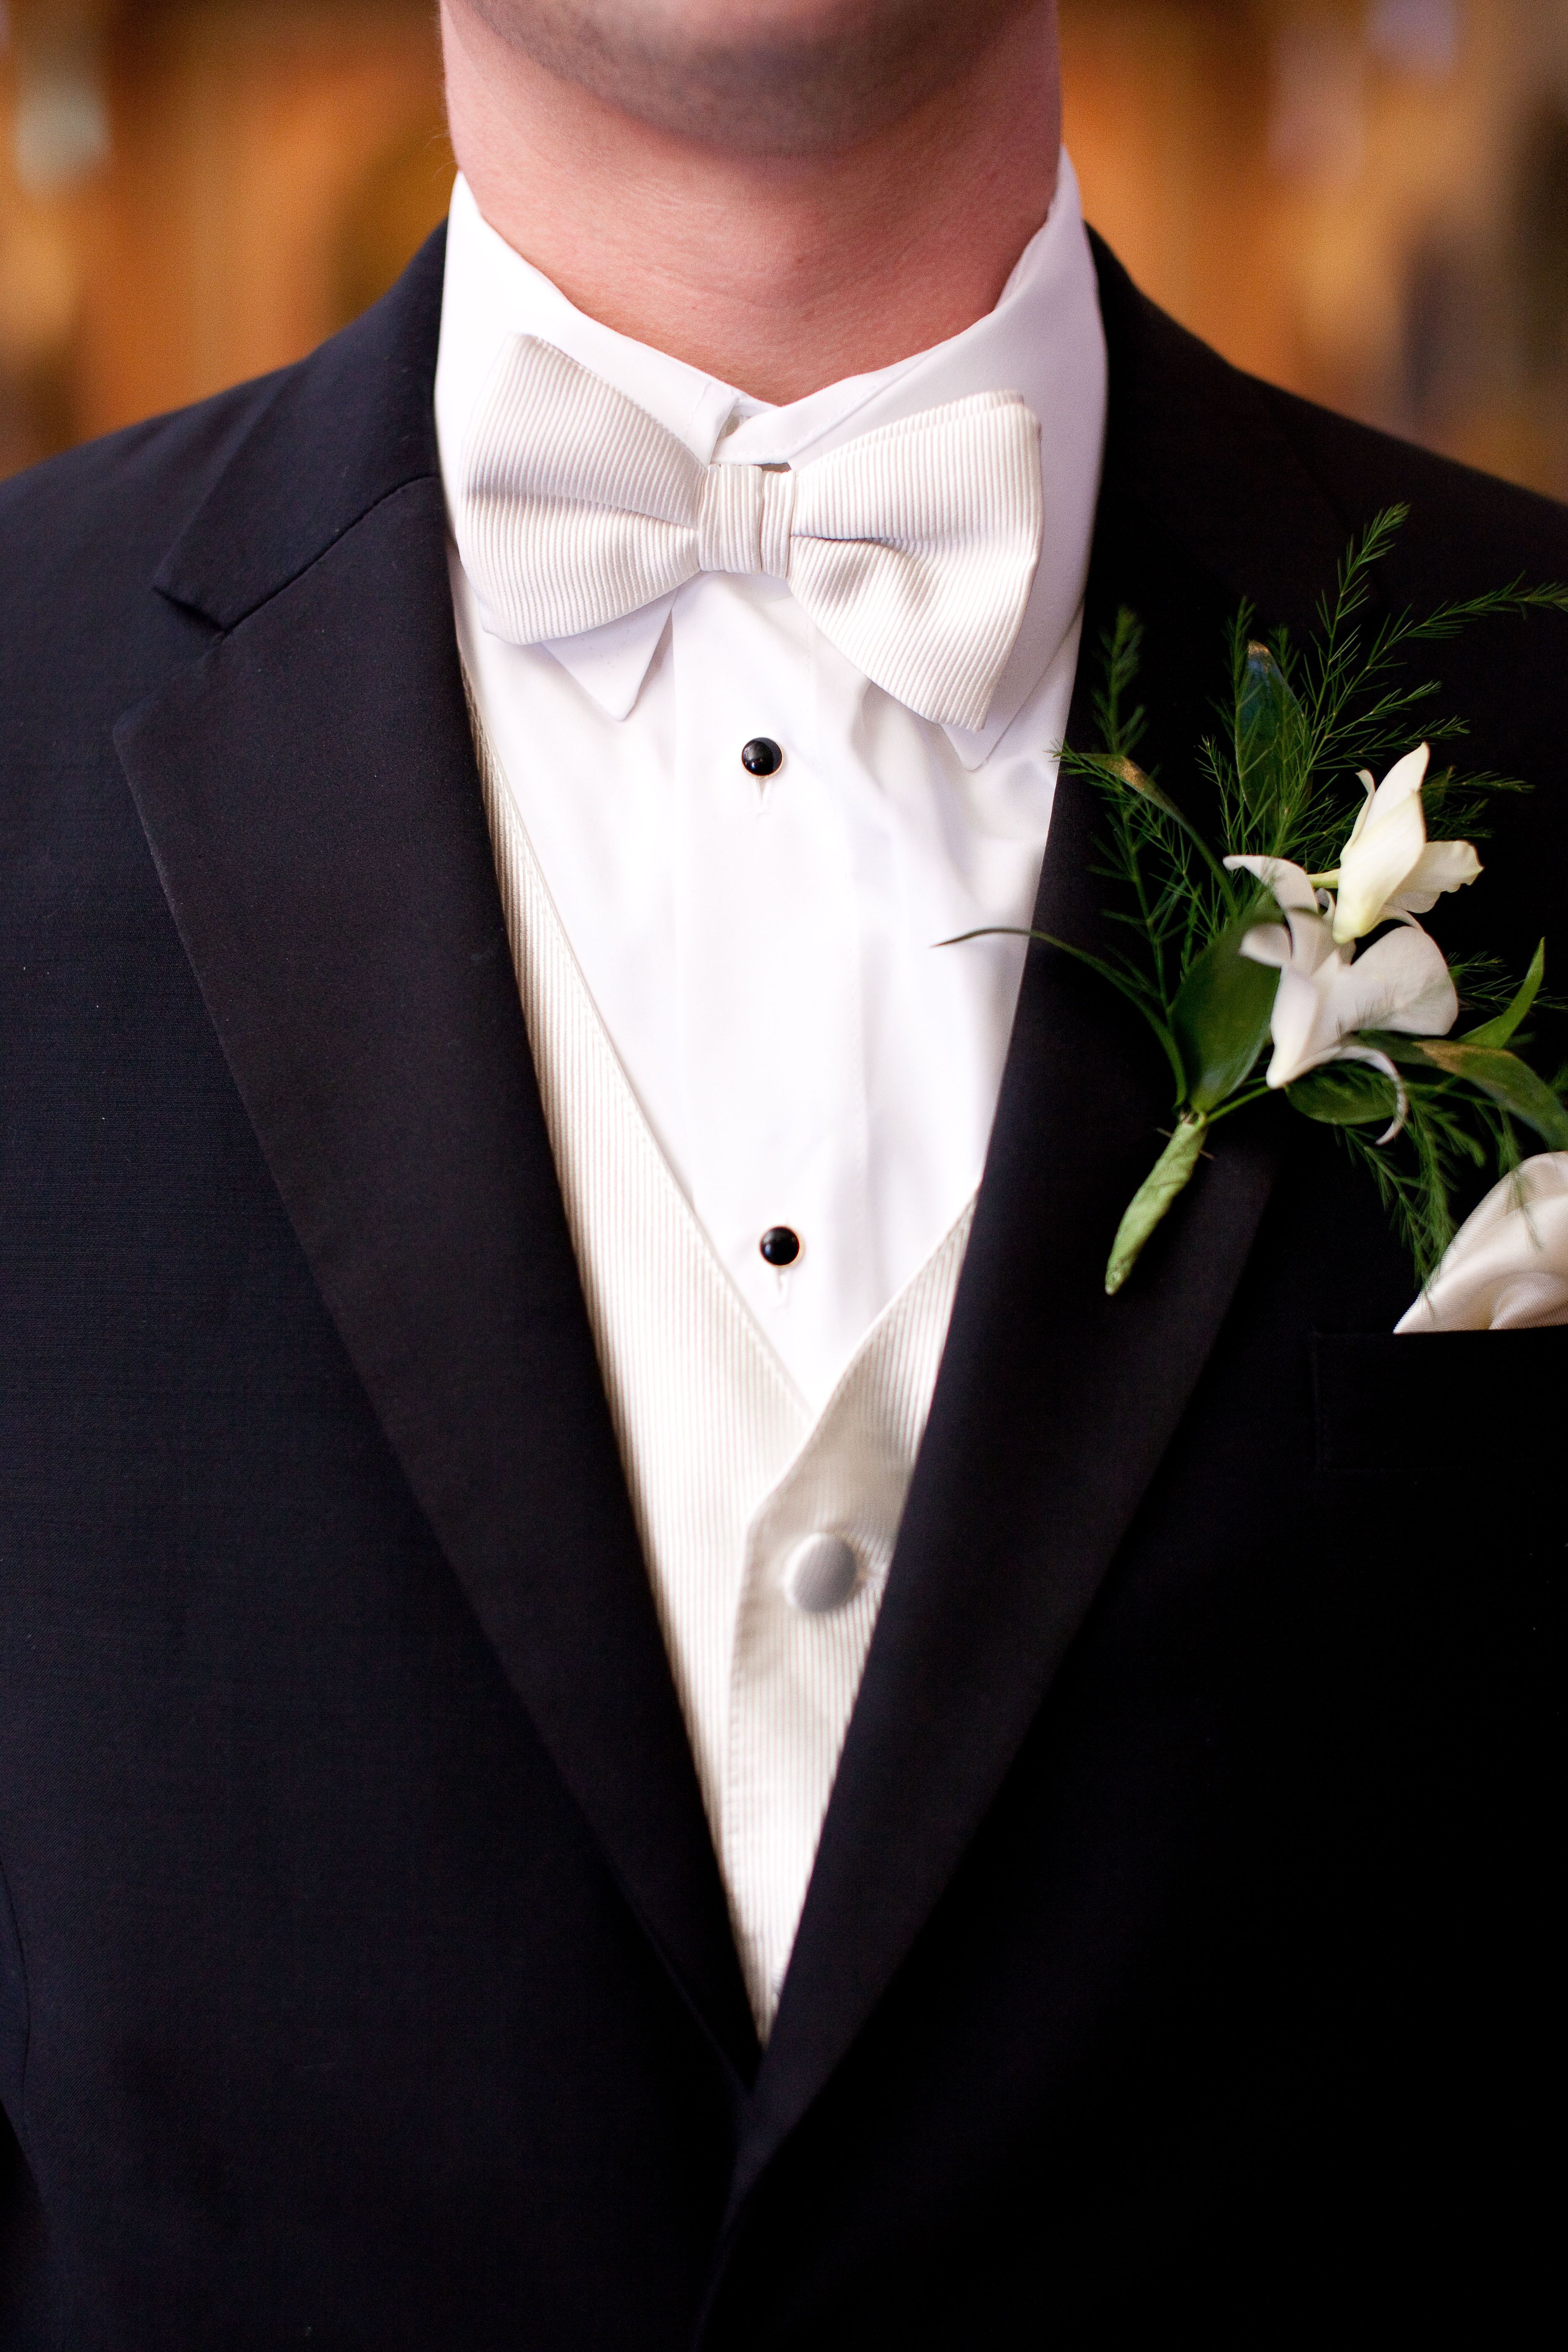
[778,273]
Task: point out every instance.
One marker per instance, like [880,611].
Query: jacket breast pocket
[1446,1406]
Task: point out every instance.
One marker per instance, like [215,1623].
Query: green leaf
[1344,1094]
[1510,1083]
[1264,700]
[1116,768]
[1169,1177]
[1220,1018]
[1499,1031]
[1271,745]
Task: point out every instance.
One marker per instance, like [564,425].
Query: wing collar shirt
[764,950]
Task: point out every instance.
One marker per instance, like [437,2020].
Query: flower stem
[1240,1102]
[1170,1175]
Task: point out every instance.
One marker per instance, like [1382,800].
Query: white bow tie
[911,548]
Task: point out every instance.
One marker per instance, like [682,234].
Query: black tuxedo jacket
[1172,1961]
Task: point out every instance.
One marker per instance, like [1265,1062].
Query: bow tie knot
[744,518]
[913,547]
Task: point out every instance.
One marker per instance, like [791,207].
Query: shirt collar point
[611,663]
[974,745]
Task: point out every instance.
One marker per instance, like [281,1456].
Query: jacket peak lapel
[310,793]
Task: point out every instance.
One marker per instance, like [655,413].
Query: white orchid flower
[1388,868]
[1324,998]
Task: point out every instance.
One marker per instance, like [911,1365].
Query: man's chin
[761,77]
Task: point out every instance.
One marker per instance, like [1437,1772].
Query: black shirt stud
[760,756]
[780,1246]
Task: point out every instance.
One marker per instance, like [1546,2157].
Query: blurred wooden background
[1366,200]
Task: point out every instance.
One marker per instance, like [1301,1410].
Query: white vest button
[820,1574]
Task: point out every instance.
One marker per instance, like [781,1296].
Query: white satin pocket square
[1506,1269]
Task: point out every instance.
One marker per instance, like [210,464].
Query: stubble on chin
[770,81]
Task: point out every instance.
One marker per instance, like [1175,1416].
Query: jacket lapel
[310,793]
[1055,1404]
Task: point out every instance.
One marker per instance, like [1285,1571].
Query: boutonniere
[1292,958]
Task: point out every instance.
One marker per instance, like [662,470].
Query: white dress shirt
[764,954]
[740,1019]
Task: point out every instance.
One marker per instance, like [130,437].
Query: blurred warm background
[1366,200]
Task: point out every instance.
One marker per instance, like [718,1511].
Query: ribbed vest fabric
[727,1470]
